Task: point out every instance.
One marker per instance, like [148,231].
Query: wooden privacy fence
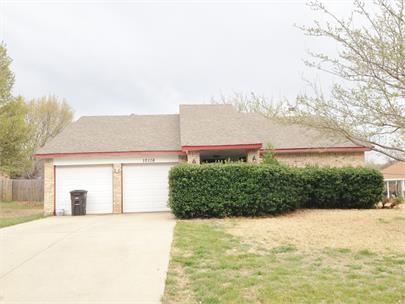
[21,190]
[6,189]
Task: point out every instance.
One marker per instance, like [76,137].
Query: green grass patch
[365,253]
[12,213]
[4,222]
[334,252]
[284,249]
[218,268]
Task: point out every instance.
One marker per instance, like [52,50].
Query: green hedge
[341,187]
[219,190]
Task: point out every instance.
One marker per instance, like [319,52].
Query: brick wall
[49,190]
[292,159]
[354,159]
[253,156]
[117,188]
[193,157]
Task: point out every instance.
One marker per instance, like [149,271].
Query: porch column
[193,157]
[396,188]
[388,189]
[117,188]
[253,156]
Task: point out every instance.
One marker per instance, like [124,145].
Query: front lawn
[12,213]
[309,256]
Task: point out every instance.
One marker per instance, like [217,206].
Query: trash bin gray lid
[78,191]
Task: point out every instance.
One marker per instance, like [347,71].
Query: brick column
[117,188]
[253,156]
[182,159]
[49,187]
[193,157]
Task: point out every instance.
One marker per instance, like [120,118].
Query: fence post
[6,193]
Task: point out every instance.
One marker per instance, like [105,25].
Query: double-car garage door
[144,187]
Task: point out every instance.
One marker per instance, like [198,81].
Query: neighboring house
[394,177]
[123,161]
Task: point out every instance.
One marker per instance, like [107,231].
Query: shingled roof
[394,171]
[196,125]
[117,134]
[205,125]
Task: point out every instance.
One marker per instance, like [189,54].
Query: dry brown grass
[309,256]
[379,230]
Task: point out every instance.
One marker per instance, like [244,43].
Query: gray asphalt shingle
[196,125]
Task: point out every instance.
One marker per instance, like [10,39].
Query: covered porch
[233,153]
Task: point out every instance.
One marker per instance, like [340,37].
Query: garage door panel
[146,187]
[97,180]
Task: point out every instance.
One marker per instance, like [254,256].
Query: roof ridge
[206,104]
[128,115]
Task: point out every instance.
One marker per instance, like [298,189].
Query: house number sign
[148,160]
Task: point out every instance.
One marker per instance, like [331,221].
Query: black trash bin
[78,199]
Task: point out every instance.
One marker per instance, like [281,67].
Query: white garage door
[146,187]
[97,180]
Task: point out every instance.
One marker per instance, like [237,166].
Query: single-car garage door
[97,180]
[145,187]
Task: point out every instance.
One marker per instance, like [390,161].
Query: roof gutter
[222,147]
[320,150]
[200,148]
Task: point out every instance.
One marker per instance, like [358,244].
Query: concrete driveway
[90,259]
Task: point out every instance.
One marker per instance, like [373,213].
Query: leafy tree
[14,135]
[6,76]
[46,117]
[26,126]
[13,130]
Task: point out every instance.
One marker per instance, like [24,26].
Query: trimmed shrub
[219,190]
[240,189]
[341,187]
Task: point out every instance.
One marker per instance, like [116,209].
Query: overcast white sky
[137,57]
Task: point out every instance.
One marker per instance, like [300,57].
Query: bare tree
[46,117]
[368,105]
[251,102]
